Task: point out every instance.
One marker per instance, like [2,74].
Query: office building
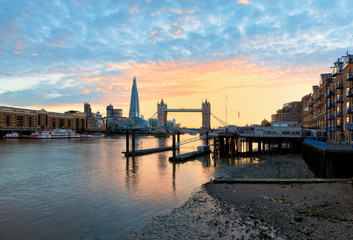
[134,102]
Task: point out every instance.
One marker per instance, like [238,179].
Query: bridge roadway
[183,110]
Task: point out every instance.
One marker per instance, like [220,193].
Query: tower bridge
[162,111]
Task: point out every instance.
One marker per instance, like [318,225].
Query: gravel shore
[259,211]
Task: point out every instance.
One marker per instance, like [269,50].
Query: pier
[141,152]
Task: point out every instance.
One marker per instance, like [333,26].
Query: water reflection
[92,185]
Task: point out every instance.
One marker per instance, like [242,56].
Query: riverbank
[259,211]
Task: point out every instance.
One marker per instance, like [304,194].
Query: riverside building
[314,107]
[291,112]
[12,118]
[339,94]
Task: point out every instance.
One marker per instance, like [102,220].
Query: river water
[87,189]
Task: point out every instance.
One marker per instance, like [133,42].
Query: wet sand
[259,211]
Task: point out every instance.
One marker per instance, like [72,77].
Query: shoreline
[259,211]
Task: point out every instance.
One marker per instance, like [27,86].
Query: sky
[245,56]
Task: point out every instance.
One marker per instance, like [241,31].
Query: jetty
[201,150]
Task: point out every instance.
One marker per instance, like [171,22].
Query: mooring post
[174,145]
[207,138]
[133,141]
[214,147]
[127,142]
[259,145]
[221,146]
[250,145]
[232,147]
[178,139]
[227,146]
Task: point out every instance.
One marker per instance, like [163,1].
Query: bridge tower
[162,114]
[206,115]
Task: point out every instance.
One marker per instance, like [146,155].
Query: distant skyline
[259,53]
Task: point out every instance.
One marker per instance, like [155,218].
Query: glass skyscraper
[134,102]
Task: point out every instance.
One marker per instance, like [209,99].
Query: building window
[8,120]
[19,121]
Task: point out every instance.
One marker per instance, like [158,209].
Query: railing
[339,85]
[317,144]
[331,117]
[339,114]
[349,110]
[328,93]
[338,128]
[349,126]
[330,146]
[335,72]
[349,77]
[339,100]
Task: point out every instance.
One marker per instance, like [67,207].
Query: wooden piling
[133,141]
[127,141]
[250,145]
[207,138]
[174,148]
[221,146]
[232,147]
[178,139]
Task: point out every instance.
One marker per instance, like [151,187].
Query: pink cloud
[153,33]
[179,11]
[244,2]
[175,24]
[155,13]
[58,42]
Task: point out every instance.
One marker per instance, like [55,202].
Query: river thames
[87,189]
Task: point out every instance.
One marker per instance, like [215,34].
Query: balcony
[335,72]
[349,93]
[339,85]
[331,117]
[329,93]
[328,129]
[339,99]
[349,110]
[349,126]
[349,77]
[339,114]
[338,128]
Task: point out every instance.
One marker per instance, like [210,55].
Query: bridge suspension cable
[153,115]
[219,120]
[190,140]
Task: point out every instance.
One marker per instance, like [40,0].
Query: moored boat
[92,135]
[12,135]
[55,133]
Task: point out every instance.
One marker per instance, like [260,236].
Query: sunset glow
[258,55]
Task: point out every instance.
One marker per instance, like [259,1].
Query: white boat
[64,133]
[92,135]
[55,133]
[12,135]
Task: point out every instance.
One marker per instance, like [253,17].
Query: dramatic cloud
[67,52]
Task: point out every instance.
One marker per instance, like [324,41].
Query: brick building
[339,110]
[20,118]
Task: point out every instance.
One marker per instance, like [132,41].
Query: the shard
[134,102]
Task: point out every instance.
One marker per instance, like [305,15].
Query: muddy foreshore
[259,211]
